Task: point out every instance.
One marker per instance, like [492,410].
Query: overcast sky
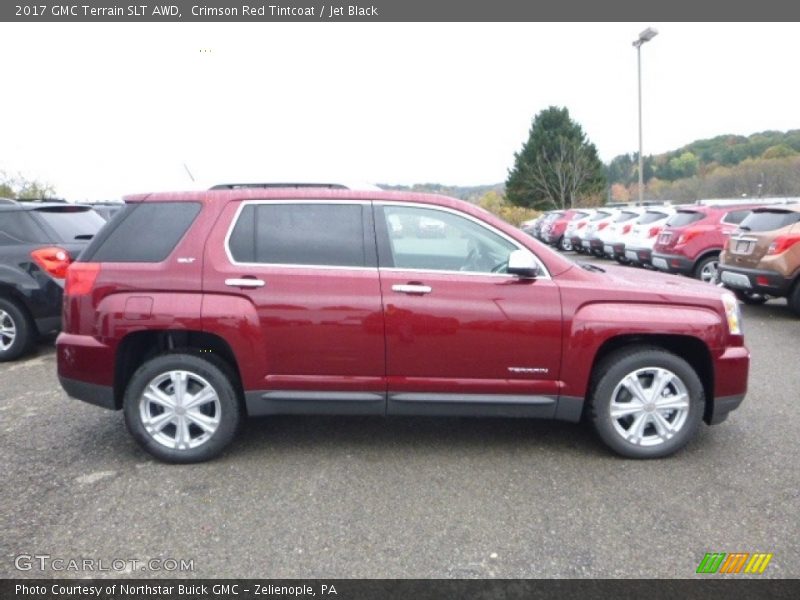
[102,110]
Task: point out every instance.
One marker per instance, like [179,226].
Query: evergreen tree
[556,165]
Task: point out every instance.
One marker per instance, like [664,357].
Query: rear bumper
[672,263]
[99,395]
[766,282]
[86,369]
[643,256]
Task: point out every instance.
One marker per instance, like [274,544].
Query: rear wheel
[182,408]
[646,402]
[565,244]
[707,269]
[17,333]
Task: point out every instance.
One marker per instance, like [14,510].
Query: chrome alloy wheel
[8,331]
[180,410]
[710,272]
[649,406]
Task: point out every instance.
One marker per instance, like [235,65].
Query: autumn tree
[556,166]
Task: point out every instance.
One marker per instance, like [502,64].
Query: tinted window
[625,216]
[143,232]
[685,217]
[769,220]
[70,223]
[599,215]
[300,234]
[422,238]
[651,217]
[17,227]
[736,216]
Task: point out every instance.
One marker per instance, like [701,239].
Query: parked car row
[753,248]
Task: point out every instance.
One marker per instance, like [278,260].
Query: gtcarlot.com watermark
[46,562]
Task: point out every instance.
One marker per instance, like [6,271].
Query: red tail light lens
[602,226]
[653,232]
[626,229]
[687,236]
[783,243]
[581,224]
[53,260]
[80,278]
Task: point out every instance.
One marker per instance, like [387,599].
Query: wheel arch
[138,347]
[691,349]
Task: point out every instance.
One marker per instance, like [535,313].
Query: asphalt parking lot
[337,497]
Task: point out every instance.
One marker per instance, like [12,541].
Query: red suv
[190,311]
[692,239]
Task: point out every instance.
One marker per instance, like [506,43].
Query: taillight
[581,224]
[80,278]
[783,243]
[53,260]
[687,235]
[653,231]
[626,229]
[602,226]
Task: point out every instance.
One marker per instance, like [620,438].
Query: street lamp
[647,35]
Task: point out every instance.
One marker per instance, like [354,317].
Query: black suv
[38,241]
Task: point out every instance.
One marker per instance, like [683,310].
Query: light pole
[647,35]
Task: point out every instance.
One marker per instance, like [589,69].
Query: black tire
[19,333]
[702,270]
[793,299]
[752,298]
[644,361]
[564,244]
[225,414]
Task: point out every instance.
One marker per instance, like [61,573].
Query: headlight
[731,305]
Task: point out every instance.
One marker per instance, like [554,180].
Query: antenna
[188,172]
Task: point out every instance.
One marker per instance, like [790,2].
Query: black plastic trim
[723,407]
[99,395]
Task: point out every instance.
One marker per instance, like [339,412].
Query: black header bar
[283,11]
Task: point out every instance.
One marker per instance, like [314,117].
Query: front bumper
[762,281]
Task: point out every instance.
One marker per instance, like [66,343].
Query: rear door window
[305,234]
[17,227]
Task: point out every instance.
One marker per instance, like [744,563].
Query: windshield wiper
[591,267]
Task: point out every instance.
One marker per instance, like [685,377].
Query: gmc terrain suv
[38,240]
[192,310]
[762,258]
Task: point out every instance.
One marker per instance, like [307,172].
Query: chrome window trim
[545,273]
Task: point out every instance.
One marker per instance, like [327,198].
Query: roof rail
[239,186]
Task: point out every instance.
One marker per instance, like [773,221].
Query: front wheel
[565,244]
[646,402]
[182,408]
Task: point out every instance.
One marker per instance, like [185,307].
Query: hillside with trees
[762,164]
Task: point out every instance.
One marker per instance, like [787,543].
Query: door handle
[245,282]
[412,288]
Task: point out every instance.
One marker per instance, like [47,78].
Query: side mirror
[522,264]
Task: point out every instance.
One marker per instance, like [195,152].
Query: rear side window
[17,227]
[70,223]
[143,232]
[736,216]
[599,215]
[300,234]
[770,220]
[651,217]
[685,217]
[625,216]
